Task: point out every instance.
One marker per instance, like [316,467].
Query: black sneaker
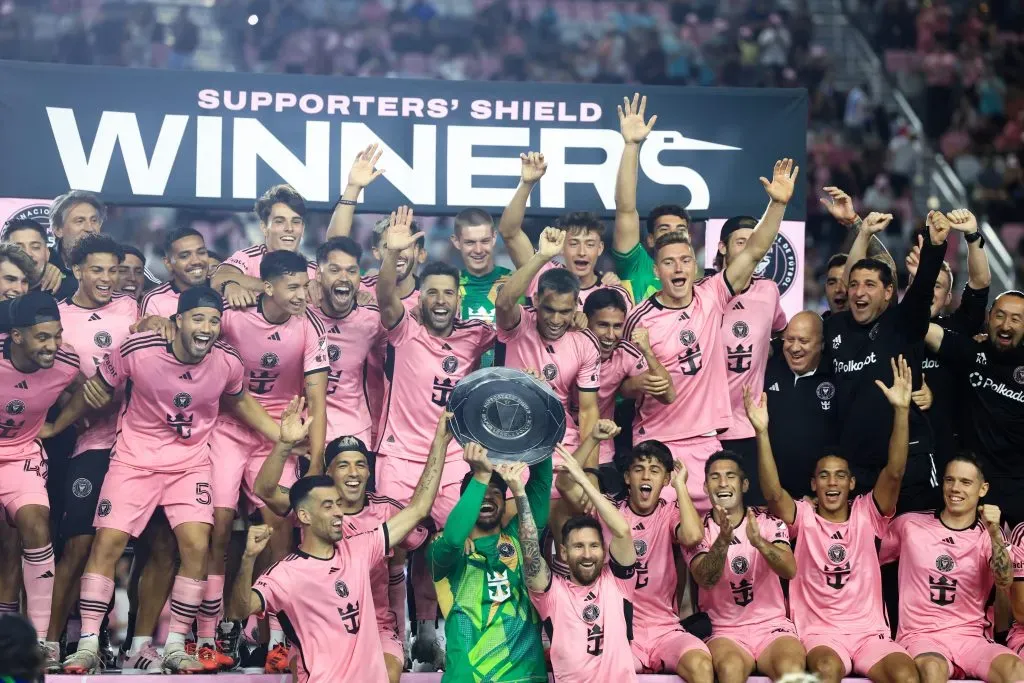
[106,652]
[255,659]
[229,643]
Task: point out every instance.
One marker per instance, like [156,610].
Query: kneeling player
[836,595]
[949,562]
[739,578]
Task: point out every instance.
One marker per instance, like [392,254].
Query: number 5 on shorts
[203,496]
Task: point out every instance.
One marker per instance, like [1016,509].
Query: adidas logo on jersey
[187,375]
[333,570]
[639,527]
[837,536]
[738,306]
[21,385]
[949,540]
[334,330]
[94,316]
[275,337]
[590,596]
[774,387]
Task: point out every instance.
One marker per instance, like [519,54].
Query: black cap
[199,297]
[341,445]
[736,223]
[33,308]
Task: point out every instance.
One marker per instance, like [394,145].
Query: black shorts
[82,492]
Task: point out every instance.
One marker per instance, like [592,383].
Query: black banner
[217,140]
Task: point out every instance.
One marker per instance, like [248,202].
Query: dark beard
[488,525]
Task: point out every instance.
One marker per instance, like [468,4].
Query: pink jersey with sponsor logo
[531,290]
[328,607]
[1016,637]
[422,371]
[748,592]
[161,301]
[166,423]
[248,261]
[569,364]
[26,397]
[944,575]
[590,626]
[688,342]
[654,539]
[750,319]
[95,332]
[626,361]
[351,341]
[277,356]
[377,511]
[376,383]
[838,583]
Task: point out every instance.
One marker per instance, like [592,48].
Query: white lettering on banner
[855,365]
[415,179]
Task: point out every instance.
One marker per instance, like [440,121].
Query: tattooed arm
[778,554]
[1000,563]
[707,568]
[535,569]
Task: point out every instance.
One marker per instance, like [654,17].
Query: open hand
[533,168]
[293,428]
[364,169]
[757,411]
[899,394]
[631,119]
[784,176]
[839,205]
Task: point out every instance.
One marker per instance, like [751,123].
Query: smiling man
[185,258]
[131,278]
[72,216]
[32,238]
[16,268]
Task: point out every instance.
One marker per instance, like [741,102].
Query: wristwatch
[974,237]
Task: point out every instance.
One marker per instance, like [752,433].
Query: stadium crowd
[724,499]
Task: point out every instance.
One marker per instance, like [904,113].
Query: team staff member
[72,216]
[801,401]
[859,342]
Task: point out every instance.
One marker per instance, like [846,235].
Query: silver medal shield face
[506,416]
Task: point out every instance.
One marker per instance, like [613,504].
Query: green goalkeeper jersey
[478,294]
[491,628]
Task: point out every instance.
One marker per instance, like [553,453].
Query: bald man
[801,405]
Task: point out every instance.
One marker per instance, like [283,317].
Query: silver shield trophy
[512,415]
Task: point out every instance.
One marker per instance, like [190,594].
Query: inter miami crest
[944,563]
[739,565]
[779,263]
[81,488]
[103,508]
[333,352]
[550,372]
[450,364]
[182,400]
[836,553]
[102,339]
[640,547]
[740,329]
[15,407]
[341,589]
[687,338]
[506,549]
[826,391]
[590,613]
[1018,374]
[269,360]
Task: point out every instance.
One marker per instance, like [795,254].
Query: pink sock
[186,596]
[210,609]
[37,568]
[397,597]
[93,601]
[272,621]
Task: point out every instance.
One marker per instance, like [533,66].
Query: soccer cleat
[277,660]
[144,662]
[213,660]
[106,653]
[428,654]
[51,654]
[181,662]
[83,663]
[230,643]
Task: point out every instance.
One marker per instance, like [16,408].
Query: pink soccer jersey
[277,356]
[838,583]
[626,361]
[748,593]
[248,261]
[1015,640]
[654,539]
[589,626]
[570,363]
[531,290]
[25,398]
[376,384]
[166,425]
[161,301]
[329,606]
[750,319]
[422,372]
[377,511]
[688,343]
[93,333]
[351,341]
[944,577]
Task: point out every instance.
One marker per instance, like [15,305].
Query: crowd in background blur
[961,63]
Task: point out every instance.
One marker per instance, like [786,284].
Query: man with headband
[35,368]
[161,459]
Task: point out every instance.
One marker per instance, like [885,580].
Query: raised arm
[634,132]
[887,486]
[363,172]
[867,236]
[535,569]
[620,545]
[250,412]
[316,399]
[707,567]
[244,600]
[978,274]
[506,304]
[780,503]
[423,495]
[780,191]
[398,238]
[840,206]
[777,554]
[916,305]
[293,431]
[571,491]
[1000,563]
[656,382]
[511,223]
[690,530]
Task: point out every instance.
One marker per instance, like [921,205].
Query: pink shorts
[289,476]
[397,478]
[333,433]
[659,650]
[230,447]
[391,645]
[858,651]
[23,482]
[973,654]
[1015,641]
[693,453]
[129,497]
[756,639]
